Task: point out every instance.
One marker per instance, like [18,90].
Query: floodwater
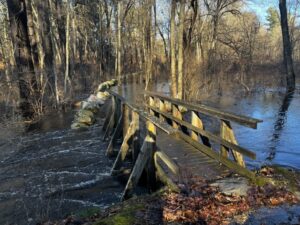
[277,138]
[52,171]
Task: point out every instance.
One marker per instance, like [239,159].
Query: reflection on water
[279,123]
[277,139]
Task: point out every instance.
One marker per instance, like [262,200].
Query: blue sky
[260,7]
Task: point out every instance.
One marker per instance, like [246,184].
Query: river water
[50,171]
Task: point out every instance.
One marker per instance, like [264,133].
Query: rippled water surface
[52,171]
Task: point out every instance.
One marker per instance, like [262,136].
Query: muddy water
[51,171]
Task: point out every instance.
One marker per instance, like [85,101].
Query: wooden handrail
[207,134]
[210,111]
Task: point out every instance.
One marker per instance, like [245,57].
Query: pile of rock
[85,117]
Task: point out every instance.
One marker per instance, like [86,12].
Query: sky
[260,7]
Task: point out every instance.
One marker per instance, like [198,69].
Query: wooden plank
[177,114]
[152,103]
[169,162]
[139,166]
[228,134]
[197,122]
[210,111]
[126,118]
[151,178]
[162,107]
[210,136]
[164,178]
[115,136]
[136,137]
[208,151]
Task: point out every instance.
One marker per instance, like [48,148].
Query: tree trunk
[148,41]
[287,50]
[19,30]
[180,49]
[55,54]
[67,75]
[119,41]
[173,49]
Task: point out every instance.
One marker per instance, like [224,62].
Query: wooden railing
[166,114]
[170,109]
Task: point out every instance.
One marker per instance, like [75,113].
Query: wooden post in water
[127,142]
[227,134]
[143,158]
[115,136]
[111,122]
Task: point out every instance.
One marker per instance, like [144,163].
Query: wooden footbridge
[167,141]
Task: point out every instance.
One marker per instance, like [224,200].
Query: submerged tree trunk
[287,50]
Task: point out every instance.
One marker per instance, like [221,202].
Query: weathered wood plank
[163,177]
[169,162]
[208,151]
[210,111]
[209,135]
[126,118]
[177,114]
[136,136]
[228,134]
[147,148]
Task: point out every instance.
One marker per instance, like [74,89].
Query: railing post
[227,134]
[162,107]
[152,104]
[176,113]
[197,122]
[112,119]
[136,136]
[126,118]
[151,177]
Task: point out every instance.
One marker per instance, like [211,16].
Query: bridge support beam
[227,133]
[144,156]
[129,137]
[112,118]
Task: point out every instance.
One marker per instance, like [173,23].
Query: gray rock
[237,186]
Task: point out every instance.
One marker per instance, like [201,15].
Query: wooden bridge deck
[189,159]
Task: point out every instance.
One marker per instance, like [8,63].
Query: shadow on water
[280,124]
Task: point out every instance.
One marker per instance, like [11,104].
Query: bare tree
[287,50]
